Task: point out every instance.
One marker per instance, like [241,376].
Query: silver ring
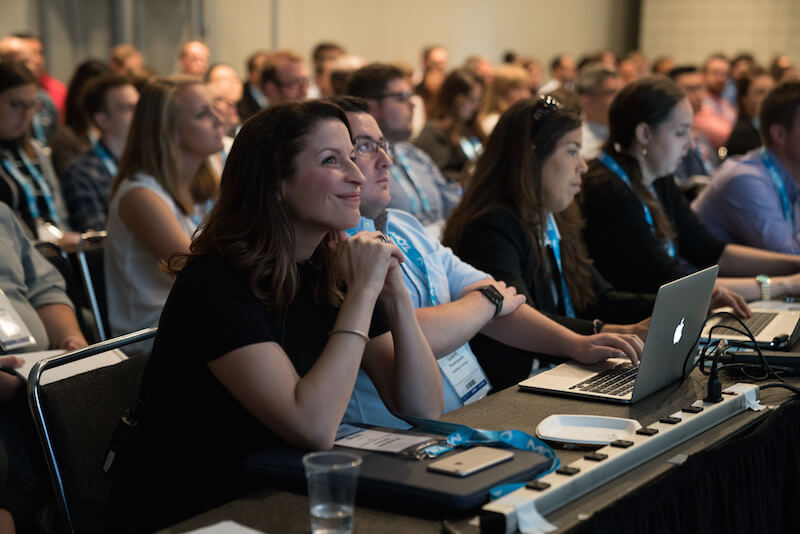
[383,238]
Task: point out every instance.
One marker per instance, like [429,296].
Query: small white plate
[586,429]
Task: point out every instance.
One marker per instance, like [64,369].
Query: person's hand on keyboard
[599,347]
[722,296]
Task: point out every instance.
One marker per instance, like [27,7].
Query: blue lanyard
[614,167]
[786,206]
[405,180]
[554,240]
[27,190]
[38,129]
[415,257]
[109,162]
[471,147]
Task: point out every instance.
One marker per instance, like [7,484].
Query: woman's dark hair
[459,82]
[743,87]
[649,100]
[74,115]
[508,175]
[249,225]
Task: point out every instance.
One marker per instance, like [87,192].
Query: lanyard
[27,190]
[38,129]
[109,162]
[258,96]
[553,238]
[407,183]
[415,257]
[786,206]
[614,167]
[471,147]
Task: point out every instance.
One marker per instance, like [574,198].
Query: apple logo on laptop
[676,337]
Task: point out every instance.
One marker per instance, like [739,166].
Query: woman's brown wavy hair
[509,175]
[249,225]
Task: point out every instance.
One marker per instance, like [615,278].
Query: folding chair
[90,265]
[75,419]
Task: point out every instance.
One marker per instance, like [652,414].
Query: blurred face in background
[716,75]
[756,93]
[692,85]
[194,59]
[17,107]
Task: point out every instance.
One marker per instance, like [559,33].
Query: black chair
[90,266]
[75,419]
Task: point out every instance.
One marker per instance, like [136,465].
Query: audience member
[284,77]
[535,72]
[108,101]
[639,62]
[639,229]
[779,66]
[482,68]
[158,197]
[715,119]
[416,184]
[46,118]
[28,183]
[505,225]
[628,71]
[253,100]
[322,57]
[282,344]
[740,65]
[562,73]
[452,303]
[452,136]
[510,84]
[340,70]
[193,58]
[663,65]
[700,158]
[54,88]
[434,58]
[752,88]
[596,86]
[126,60]
[755,200]
[226,90]
[77,134]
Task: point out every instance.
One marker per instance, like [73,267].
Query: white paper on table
[225,527]
[377,440]
[71,369]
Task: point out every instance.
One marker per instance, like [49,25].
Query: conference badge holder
[14,334]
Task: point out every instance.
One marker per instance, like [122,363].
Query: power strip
[558,489]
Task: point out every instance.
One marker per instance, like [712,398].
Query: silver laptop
[773,328]
[680,309]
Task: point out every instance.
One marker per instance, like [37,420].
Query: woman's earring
[644,151]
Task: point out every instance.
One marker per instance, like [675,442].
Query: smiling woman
[282,340]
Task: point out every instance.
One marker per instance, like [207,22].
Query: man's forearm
[61,325]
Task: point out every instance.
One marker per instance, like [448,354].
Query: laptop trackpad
[567,374]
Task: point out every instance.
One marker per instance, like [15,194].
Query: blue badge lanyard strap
[786,206]
[614,167]
[554,240]
[106,158]
[27,190]
[407,182]
[416,258]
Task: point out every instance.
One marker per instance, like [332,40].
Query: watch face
[763,279]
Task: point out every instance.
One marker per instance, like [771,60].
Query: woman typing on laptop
[639,229]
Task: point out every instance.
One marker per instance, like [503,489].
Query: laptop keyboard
[756,323]
[615,381]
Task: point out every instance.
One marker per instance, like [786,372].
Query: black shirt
[744,137]
[193,434]
[625,250]
[498,243]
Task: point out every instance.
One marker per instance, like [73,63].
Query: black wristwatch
[494,296]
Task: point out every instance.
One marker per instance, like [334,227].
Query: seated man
[754,199]
[108,102]
[284,77]
[35,291]
[454,301]
[716,117]
[416,184]
[597,86]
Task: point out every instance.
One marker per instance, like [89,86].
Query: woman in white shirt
[160,194]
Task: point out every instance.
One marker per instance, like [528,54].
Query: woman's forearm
[738,261]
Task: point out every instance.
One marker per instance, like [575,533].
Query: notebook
[681,308]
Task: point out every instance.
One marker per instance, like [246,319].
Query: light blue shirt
[742,205]
[449,276]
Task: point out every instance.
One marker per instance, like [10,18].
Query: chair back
[90,266]
[75,419]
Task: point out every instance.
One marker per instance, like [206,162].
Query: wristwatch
[764,281]
[494,296]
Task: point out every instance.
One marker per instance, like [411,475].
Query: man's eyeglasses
[544,107]
[364,145]
[400,96]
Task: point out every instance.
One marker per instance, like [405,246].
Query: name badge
[47,231]
[13,332]
[464,373]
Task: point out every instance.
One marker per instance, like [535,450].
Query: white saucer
[586,429]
